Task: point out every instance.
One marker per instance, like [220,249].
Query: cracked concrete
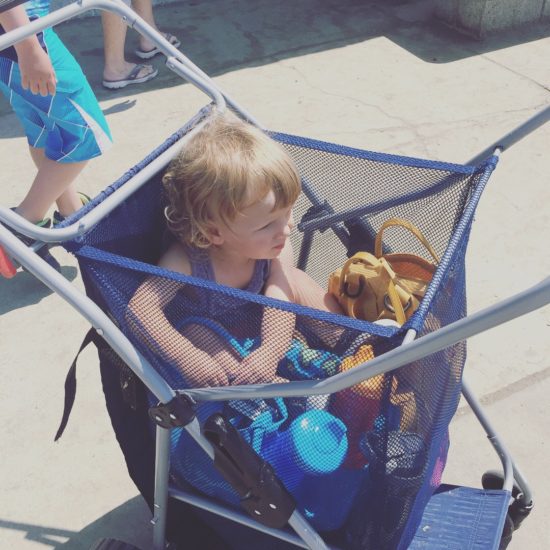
[353,72]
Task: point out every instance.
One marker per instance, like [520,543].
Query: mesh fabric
[366,481]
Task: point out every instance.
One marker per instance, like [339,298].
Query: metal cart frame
[410,350]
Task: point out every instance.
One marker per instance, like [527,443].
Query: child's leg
[308,293]
[64,131]
[114,36]
[53,182]
[144,8]
[69,201]
[37,156]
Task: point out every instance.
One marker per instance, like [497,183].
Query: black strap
[70,383]
[6,5]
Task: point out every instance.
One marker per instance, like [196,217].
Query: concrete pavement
[370,74]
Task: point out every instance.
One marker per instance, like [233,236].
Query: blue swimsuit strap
[219,330]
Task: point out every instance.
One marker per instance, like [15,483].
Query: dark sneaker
[44,251]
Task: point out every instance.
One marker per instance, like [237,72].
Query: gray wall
[477,17]
[482,17]
[60,3]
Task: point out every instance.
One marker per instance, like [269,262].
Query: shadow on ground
[129,522]
[221,36]
[25,289]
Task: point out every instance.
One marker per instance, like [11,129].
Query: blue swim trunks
[69,125]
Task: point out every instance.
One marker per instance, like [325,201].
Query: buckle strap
[70,384]
[262,495]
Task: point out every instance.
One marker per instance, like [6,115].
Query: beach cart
[350,452]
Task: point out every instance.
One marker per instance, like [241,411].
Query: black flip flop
[132,78]
[148,54]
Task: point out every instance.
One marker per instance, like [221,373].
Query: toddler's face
[259,231]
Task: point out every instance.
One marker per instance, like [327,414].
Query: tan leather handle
[398,308]
[392,291]
[357,258]
[405,224]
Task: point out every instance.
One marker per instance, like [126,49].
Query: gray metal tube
[84,224]
[523,484]
[90,311]
[162,470]
[511,470]
[53,18]
[239,517]
[506,310]
[194,430]
[503,454]
[306,532]
[506,141]
[185,67]
[127,14]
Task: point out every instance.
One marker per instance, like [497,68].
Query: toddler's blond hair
[225,167]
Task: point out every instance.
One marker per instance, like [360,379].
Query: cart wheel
[518,510]
[493,479]
[507,533]
[112,544]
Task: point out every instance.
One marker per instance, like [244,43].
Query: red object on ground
[7,268]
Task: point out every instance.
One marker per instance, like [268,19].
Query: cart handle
[508,309]
[176,61]
[180,64]
[518,133]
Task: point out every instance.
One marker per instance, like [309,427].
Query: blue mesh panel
[367,478]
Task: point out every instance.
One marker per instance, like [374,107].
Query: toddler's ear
[214,235]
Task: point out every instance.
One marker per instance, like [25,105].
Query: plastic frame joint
[177,413]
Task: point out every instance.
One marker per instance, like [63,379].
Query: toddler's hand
[259,367]
[206,375]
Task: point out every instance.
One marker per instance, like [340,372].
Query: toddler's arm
[37,72]
[276,333]
[146,317]
[290,284]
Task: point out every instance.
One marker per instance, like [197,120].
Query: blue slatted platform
[462,518]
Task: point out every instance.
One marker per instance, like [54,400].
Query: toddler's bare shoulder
[176,259]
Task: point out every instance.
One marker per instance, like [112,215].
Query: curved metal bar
[133,20]
[502,452]
[89,220]
[239,517]
[306,532]
[183,66]
[162,476]
[90,311]
[518,133]
[524,302]
[53,18]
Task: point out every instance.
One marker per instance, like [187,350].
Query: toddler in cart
[230,192]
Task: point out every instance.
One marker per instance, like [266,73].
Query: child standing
[62,120]
[231,191]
